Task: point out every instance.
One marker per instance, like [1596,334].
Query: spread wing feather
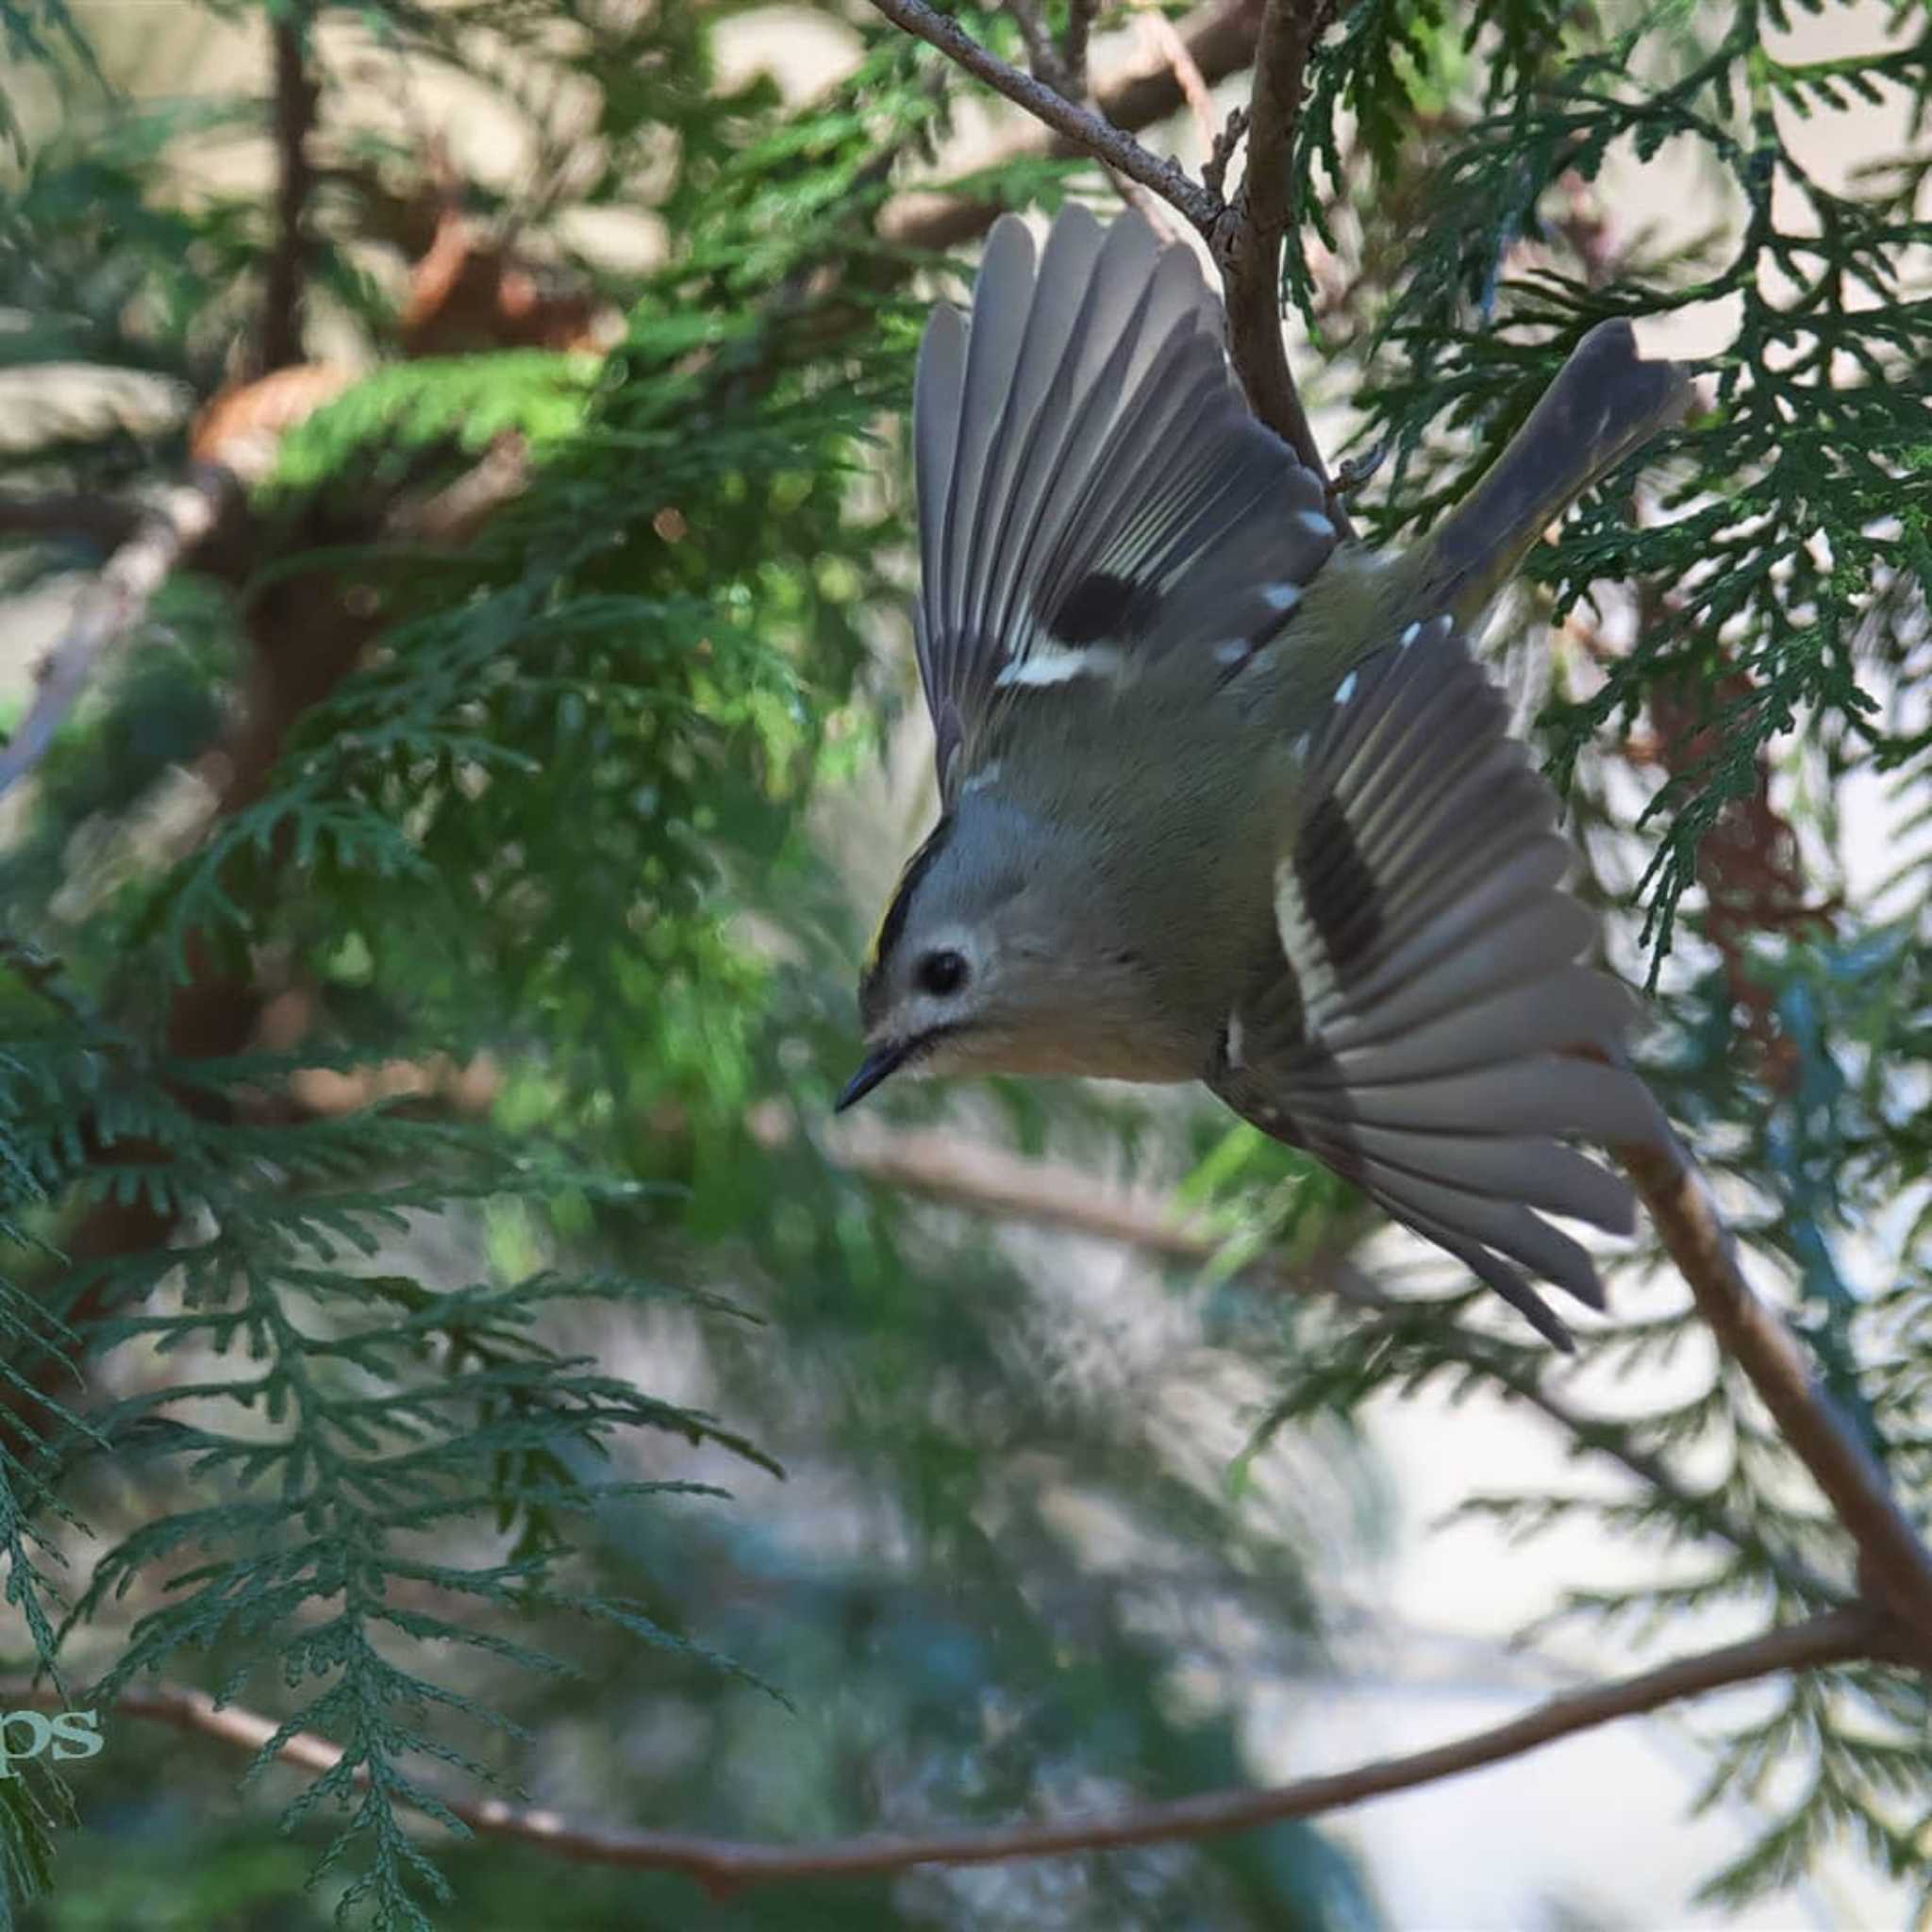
[1420,1024]
[1089,475]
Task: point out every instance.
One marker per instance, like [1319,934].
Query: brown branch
[1088,131]
[295,97]
[456,513]
[112,607]
[1750,871]
[966,1173]
[1895,1566]
[1166,45]
[1042,56]
[1250,242]
[1074,47]
[1748,861]
[1220,150]
[1748,865]
[1843,1636]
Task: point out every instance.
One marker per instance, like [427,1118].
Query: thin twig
[1249,244]
[1166,45]
[968,1174]
[460,509]
[295,97]
[1042,56]
[112,607]
[1220,150]
[1895,1566]
[1843,1636]
[1074,48]
[1220,39]
[1087,130]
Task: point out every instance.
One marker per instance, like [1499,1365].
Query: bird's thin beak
[874,1067]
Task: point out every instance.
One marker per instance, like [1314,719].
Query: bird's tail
[1605,402]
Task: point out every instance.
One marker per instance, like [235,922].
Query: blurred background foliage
[425,960]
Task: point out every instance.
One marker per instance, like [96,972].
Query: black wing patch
[1337,885]
[1419,1028]
[1099,606]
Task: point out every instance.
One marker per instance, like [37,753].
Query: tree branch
[1220,39]
[1895,1566]
[1246,239]
[967,1174]
[1843,1636]
[1220,149]
[113,606]
[1089,132]
[1249,247]
[295,96]
[1042,56]
[1074,48]
[1160,35]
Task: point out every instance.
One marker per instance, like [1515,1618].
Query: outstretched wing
[1093,492]
[1421,1027]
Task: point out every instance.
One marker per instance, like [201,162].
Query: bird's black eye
[941,973]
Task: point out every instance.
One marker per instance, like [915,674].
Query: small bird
[1226,798]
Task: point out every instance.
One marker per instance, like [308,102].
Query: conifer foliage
[422,975]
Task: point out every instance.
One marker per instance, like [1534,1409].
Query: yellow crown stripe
[893,916]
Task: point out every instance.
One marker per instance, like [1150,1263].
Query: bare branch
[1074,48]
[113,606]
[1895,1566]
[1160,35]
[233,442]
[1218,42]
[295,96]
[947,1168]
[1220,150]
[1750,869]
[1249,247]
[1838,1636]
[1041,54]
[460,509]
[1088,131]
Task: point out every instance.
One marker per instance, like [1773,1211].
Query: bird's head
[984,961]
